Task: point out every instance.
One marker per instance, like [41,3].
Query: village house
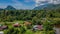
[16,25]
[37,27]
[3,27]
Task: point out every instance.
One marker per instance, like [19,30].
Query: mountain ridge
[47,6]
[9,7]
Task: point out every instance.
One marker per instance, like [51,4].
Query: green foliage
[35,16]
[47,25]
[15,30]
[11,15]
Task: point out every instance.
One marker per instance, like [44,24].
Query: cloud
[27,1]
[54,1]
[42,2]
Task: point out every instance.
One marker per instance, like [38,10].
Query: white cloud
[42,2]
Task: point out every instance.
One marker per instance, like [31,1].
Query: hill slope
[10,8]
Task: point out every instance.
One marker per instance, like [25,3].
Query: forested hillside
[28,15]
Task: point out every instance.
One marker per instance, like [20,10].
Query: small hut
[16,25]
[0,27]
[37,27]
[3,27]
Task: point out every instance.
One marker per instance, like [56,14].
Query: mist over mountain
[47,6]
[42,2]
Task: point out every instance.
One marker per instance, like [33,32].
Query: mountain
[10,8]
[47,6]
[1,9]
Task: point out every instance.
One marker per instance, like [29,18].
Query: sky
[26,4]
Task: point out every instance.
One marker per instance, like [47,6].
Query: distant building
[16,25]
[3,27]
[37,27]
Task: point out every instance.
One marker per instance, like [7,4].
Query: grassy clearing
[21,22]
[21,29]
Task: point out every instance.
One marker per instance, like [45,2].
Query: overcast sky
[26,4]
